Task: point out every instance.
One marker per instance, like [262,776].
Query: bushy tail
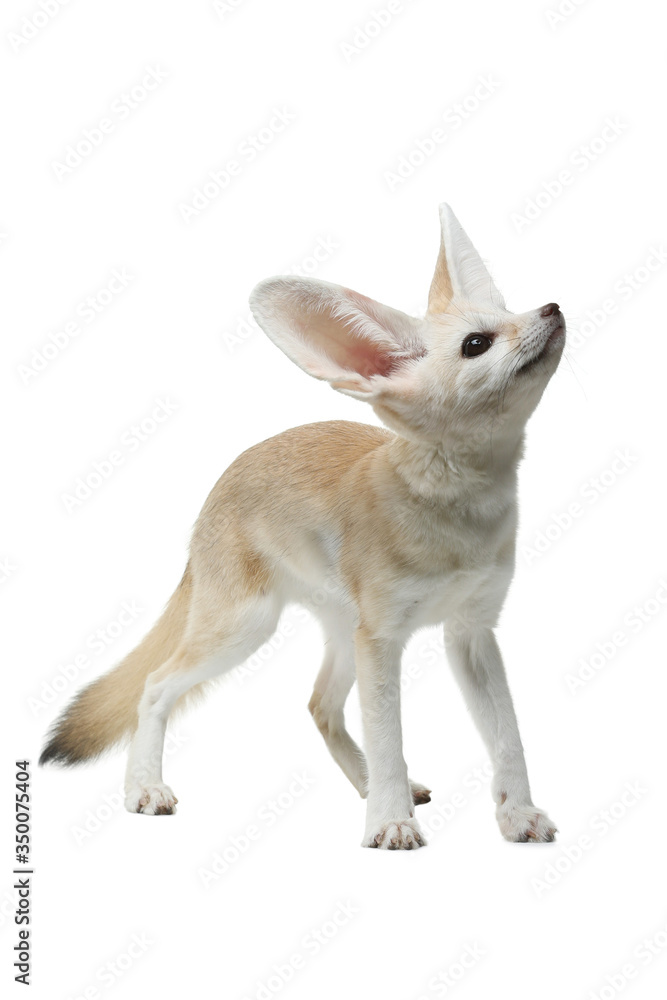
[105,713]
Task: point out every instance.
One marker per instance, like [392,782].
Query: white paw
[396,835]
[523,824]
[151,800]
[420,793]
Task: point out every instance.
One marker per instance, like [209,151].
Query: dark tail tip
[61,748]
[55,753]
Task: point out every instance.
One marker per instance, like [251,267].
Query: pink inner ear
[368,359]
[336,339]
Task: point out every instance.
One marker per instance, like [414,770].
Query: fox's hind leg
[212,644]
[332,686]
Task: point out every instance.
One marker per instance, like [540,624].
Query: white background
[543,920]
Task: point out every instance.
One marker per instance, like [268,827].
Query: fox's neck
[444,473]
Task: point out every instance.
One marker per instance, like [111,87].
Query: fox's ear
[459,272]
[333,333]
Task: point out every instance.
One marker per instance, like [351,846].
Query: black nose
[550,309]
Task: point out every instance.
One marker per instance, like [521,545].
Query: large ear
[459,272]
[336,334]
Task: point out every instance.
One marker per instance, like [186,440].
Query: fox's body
[302,507]
[400,529]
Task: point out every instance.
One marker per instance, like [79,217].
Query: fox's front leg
[390,822]
[478,666]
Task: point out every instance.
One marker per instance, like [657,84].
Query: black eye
[475,344]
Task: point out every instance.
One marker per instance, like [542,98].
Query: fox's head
[468,371]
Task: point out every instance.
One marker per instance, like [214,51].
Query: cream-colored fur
[408,527]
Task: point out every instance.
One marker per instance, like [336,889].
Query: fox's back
[288,491]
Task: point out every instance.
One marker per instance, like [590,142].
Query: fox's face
[489,366]
[470,371]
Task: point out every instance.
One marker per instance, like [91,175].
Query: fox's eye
[475,344]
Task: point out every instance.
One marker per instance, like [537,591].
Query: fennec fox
[407,527]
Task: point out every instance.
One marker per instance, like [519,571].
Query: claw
[397,835]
